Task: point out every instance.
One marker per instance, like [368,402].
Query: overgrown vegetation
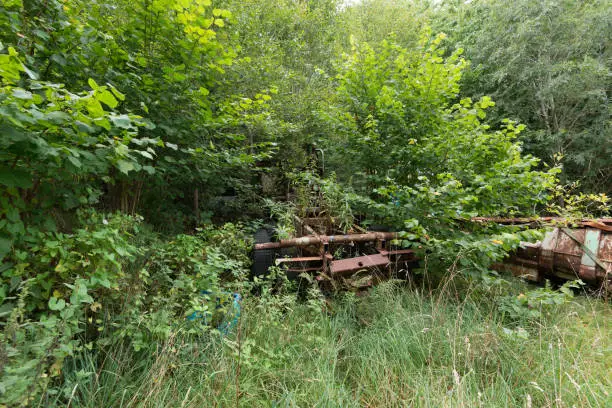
[142,144]
[396,346]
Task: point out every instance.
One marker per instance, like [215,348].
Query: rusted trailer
[583,252]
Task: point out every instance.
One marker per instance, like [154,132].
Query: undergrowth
[392,346]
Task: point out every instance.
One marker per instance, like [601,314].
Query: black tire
[263,259]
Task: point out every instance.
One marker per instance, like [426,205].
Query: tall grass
[394,346]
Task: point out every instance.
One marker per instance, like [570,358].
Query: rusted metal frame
[328,239]
[384,257]
[586,250]
[566,254]
[600,223]
[351,265]
[519,269]
[304,226]
[299,259]
[309,263]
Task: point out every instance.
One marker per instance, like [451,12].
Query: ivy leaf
[79,294]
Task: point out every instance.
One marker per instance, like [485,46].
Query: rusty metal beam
[328,239]
[352,265]
[601,223]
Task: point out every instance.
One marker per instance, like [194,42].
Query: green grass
[395,346]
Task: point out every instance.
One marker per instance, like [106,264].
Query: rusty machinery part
[584,253]
[382,260]
[324,264]
[604,224]
[328,239]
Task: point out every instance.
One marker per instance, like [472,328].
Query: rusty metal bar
[383,259]
[304,226]
[327,239]
[350,265]
[601,223]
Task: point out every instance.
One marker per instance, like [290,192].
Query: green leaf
[59,59]
[107,98]
[56,304]
[121,121]
[15,178]
[145,154]
[79,293]
[125,166]
[117,94]
[95,108]
[92,84]
[75,162]
[5,247]
[57,117]
[22,94]
[31,74]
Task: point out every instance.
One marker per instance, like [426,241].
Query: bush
[109,282]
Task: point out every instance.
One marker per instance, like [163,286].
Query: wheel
[263,259]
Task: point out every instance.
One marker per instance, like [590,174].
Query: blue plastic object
[229,312]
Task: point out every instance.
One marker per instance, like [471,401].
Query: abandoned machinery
[583,252]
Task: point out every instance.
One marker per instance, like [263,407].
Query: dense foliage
[140,139]
[546,63]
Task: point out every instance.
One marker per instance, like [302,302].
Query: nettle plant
[420,158]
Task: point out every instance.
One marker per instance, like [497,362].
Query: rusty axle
[324,239]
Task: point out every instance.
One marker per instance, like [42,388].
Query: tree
[374,20]
[288,46]
[546,63]
[413,152]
